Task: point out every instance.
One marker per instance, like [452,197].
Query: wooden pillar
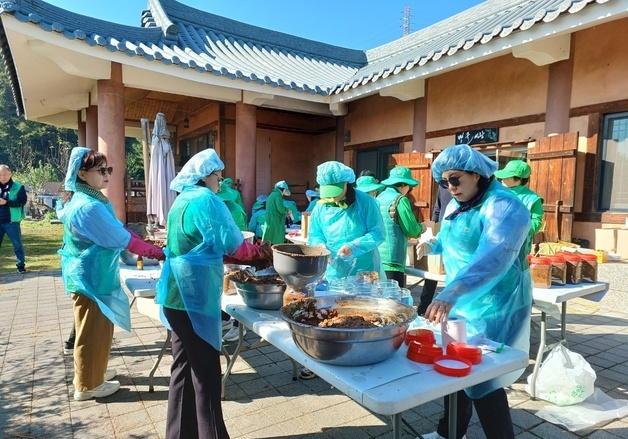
[559,97]
[340,139]
[91,127]
[418,126]
[245,143]
[80,129]
[111,135]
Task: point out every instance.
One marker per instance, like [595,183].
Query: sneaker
[21,270]
[227,325]
[105,389]
[435,435]
[68,350]
[110,374]
[233,334]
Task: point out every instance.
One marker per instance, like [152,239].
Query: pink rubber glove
[248,252]
[144,249]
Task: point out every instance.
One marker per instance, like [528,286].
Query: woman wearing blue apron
[201,231]
[488,282]
[347,222]
[92,241]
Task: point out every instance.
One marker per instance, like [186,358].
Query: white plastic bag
[564,378]
[597,409]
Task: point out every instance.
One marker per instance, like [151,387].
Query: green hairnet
[329,173]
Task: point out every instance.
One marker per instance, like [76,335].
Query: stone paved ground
[263,401]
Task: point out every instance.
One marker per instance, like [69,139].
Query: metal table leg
[231,361]
[453,415]
[563,322]
[539,354]
[396,425]
[132,302]
[295,369]
[151,387]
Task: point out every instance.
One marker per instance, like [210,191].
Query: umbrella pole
[145,124]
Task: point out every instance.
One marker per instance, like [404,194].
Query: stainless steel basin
[261,296]
[353,347]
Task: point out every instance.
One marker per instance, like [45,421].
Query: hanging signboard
[478,137]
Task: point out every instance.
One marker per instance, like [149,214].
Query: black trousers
[194,407]
[398,276]
[492,410]
[427,294]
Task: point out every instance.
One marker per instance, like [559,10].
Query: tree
[35,177]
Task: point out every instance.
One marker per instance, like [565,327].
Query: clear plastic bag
[564,378]
[596,409]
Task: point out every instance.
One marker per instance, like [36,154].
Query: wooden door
[553,162]
[421,195]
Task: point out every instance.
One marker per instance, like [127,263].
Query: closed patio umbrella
[159,197]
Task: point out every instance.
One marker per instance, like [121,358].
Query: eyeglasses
[445,182]
[104,171]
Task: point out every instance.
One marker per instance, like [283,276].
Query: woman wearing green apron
[201,231]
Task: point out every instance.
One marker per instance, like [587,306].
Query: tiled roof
[172,33]
[490,20]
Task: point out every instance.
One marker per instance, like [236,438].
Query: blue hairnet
[313,194]
[333,173]
[261,198]
[464,158]
[198,167]
[281,185]
[74,164]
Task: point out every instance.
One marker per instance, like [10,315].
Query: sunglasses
[445,182]
[103,171]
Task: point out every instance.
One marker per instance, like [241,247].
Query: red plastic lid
[452,366]
[423,336]
[471,353]
[541,261]
[587,256]
[423,353]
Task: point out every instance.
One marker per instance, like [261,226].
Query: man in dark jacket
[12,201]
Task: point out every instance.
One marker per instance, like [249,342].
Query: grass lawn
[41,241]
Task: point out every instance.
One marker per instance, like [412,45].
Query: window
[614,163]
[192,145]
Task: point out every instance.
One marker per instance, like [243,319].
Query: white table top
[560,294]
[139,283]
[387,388]
[412,271]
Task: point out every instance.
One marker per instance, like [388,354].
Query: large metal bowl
[261,296]
[352,347]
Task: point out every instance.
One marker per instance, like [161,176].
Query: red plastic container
[452,366]
[423,336]
[470,353]
[423,353]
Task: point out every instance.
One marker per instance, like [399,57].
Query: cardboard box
[622,243]
[606,239]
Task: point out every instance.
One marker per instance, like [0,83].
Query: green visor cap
[331,190]
[400,174]
[514,168]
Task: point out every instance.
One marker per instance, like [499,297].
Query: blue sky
[356,24]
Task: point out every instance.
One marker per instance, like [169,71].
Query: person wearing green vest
[232,184]
[258,216]
[291,205]
[399,222]
[12,201]
[369,184]
[515,177]
[230,197]
[274,229]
